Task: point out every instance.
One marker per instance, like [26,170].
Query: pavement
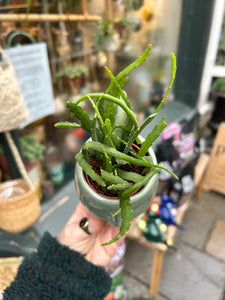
[196,270]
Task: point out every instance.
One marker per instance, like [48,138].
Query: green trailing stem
[140,183]
[115,100]
[81,115]
[119,155]
[137,132]
[152,136]
[174,68]
[67,125]
[131,67]
[126,216]
[113,152]
[120,90]
[112,178]
[119,186]
[131,176]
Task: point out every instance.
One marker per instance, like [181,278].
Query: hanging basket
[19,206]
[13,107]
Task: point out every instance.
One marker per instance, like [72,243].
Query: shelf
[18,6]
[48,17]
[73,55]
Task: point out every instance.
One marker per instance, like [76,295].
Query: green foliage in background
[219,85]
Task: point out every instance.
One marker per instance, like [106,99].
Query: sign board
[215,174]
[32,69]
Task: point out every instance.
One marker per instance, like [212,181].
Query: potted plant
[72,73]
[122,26]
[218,95]
[116,170]
[107,38]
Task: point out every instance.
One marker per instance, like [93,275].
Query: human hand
[90,244]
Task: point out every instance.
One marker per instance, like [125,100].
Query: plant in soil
[71,71]
[116,159]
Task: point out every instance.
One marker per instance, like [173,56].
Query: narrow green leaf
[112,115]
[115,100]
[115,137]
[120,91]
[137,132]
[114,91]
[112,178]
[96,146]
[85,155]
[108,110]
[94,130]
[113,152]
[101,122]
[119,186]
[126,216]
[67,124]
[127,133]
[88,170]
[174,68]
[153,135]
[131,67]
[81,115]
[119,120]
[101,108]
[107,163]
[117,212]
[140,184]
[131,176]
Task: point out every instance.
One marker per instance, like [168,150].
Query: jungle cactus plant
[114,130]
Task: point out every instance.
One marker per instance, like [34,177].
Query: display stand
[159,248]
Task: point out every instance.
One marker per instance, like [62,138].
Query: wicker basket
[19,206]
[13,107]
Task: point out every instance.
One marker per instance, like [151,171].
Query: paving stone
[216,243]
[138,261]
[57,211]
[214,203]
[190,274]
[186,274]
[137,290]
[197,223]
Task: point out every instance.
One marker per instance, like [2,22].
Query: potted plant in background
[73,74]
[122,26]
[218,96]
[107,38]
[116,171]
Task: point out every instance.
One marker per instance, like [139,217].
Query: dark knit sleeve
[56,272]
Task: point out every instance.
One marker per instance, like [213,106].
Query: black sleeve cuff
[56,272]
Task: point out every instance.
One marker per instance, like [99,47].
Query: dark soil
[96,166]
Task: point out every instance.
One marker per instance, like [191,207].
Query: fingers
[95,224]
